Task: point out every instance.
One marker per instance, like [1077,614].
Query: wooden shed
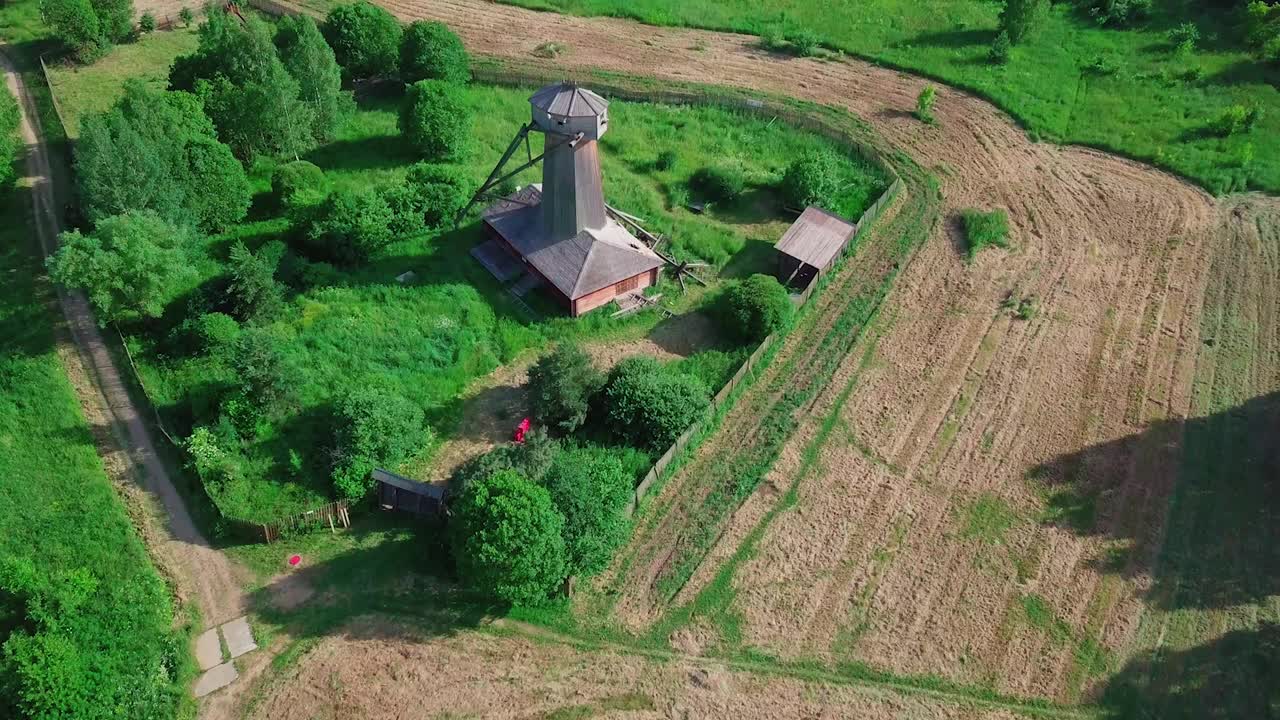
[396,492]
[812,245]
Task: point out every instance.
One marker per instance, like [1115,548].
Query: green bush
[264,374]
[755,308]
[531,460]
[561,385]
[130,266]
[441,192]
[719,183]
[507,539]
[1119,13]
[1001,48]
[254,292]
[648,405]
[147,23]
[365,39]
[812,179]
[433,118]
[406,209]
[298,184]
[76,24]
[1021,18]
[431,51]
[218,333]
[803,43]
[374,428]
[1236,119]
[590,487]
[925,101]
[218,191]
[186,16]
[984,229]
[1184,37]
[350,226]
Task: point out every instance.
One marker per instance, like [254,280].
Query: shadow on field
[1218,550]
[952,38]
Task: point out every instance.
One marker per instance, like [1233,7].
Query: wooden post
[332,529]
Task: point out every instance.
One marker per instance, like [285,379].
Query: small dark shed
[811,246]
[396,492]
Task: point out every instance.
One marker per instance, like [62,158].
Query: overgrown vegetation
[1152,106]
[755,308]
[984,229]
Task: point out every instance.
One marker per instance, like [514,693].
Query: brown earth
[379,670]
[960,401]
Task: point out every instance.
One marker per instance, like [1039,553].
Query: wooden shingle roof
[816,237]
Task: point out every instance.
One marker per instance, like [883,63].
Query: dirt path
[211,579]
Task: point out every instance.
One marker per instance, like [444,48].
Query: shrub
[531,460]
[406,209]
[374,428]
[431,51]
[365,39]
[561,385]
[76,24]
[349,226]
[441,192]
[983,229]
[147,23]
[925,101]
[186,16]
[1236,119]
[665,160]
[803,43]
[1001,48]
[755,308]
[218,332]
[507,539]
[298,184]
[264,374]
[812,179]
[718,183]
[590,487]
[1119,12]
[434,119]
[1021,18]
[1184,37]
[131,265]
[648,405]
[217,190]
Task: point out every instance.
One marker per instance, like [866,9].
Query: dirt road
[212,581]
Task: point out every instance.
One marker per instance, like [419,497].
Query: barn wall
[591,301]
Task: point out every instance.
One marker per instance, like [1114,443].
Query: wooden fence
[331,516]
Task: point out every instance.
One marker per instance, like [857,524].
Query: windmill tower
[562,231]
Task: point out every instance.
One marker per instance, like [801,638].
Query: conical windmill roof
[569,101]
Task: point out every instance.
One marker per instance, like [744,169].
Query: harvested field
[960,492]
[372,671]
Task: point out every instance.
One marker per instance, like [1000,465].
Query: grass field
[431,338]
[1146,102]
[106,645]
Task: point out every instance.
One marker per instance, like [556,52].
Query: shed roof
[568,100]
[816,237]
[592,259]
[417,488]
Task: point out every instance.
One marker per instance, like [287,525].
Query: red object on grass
[295,559]
[521,430]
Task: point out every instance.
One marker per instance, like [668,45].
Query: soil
[378,670]
[962,401]
[195,569]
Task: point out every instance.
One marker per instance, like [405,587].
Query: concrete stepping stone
[208,649]
[238,636]
[215,678]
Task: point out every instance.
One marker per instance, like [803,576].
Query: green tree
[365,39]
[76,24]
[115,17]
[216,188]
[10,141]
[434,119]
[258,362]
[350,226]
[648,405]
[253,289]
[186,16]
[374,428]
[131,265]
[431,51]
[756,307]
[1020,18]
[441,192]
[147,23]
[1001,48]
[507,539]
[298,184]
[561,385]
[310,60]
[591,488]
[531,459]
[812,179]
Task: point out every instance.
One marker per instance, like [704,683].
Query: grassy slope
[58,509]
[429,339]
[1142,110]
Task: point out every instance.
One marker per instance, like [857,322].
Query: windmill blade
[680,277]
